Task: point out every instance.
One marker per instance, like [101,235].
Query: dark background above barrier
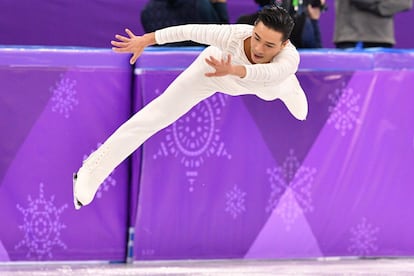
[94,23]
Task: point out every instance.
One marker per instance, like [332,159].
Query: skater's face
[265,43]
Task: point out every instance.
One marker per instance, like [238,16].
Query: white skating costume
[274,80]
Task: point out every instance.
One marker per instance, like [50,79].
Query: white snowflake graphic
[108,182]
[292,182]
[235,204]
[363,239]
[64,96]
[41,227]
[195,137]
[147,252]
[413,142]
[344,109]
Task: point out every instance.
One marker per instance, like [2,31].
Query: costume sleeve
[285,64]
[209,34]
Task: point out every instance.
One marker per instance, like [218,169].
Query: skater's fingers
[213,59]
[122,38]
[209,62]
[119,44]
[120,50]
[134,58]
[131,34]
[228,59]
[212,74]
[136,54]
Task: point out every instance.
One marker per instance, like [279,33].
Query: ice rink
[219,267]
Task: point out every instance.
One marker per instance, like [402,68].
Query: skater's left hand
[224,67]
[221,67]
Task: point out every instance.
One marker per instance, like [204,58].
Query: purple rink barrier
[238,177]
[56,107]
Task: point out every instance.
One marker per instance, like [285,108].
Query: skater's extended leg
[185,92]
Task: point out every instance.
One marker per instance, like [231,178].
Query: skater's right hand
[132,44]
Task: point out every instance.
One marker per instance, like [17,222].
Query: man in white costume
[242,59]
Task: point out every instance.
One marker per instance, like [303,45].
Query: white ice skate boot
[90,176]
[84,188]
[76,202]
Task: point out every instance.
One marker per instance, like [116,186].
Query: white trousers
[186,91]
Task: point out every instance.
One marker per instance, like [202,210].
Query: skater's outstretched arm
[209,34]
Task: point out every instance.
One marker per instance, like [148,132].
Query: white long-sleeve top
[270,81]
[230,39]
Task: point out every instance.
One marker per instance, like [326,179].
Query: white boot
[90,176]
[83,192]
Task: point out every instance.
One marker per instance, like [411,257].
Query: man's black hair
[278,19]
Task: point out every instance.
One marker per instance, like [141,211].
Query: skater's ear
[284,43]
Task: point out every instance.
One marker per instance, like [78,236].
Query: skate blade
[76,202]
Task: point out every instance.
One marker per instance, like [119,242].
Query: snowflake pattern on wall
[413,142]
[195,137]
[64,96]
[292,182]
[41,227]
[235,202]
[148,252]
[363,241]
[108,182]
[344,109]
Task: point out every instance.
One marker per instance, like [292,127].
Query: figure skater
[241,59]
